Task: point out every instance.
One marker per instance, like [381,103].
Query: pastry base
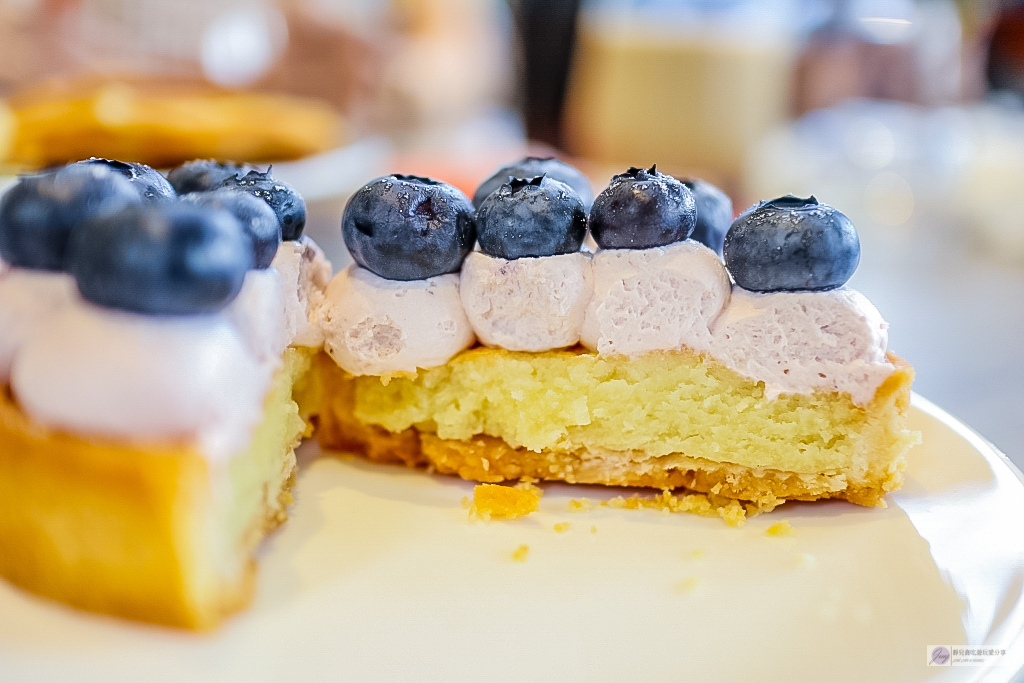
[153,532]
[489,459]
[165,124]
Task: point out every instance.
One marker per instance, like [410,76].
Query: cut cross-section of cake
[149,414]
[777,387]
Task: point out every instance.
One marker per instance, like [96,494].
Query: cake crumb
[734,512]
[593,529]
[698,554]
[465,502]
[782,528]
[520,553]
[562,527]
[493,501]
[385,378]
[526,484]
[688,585]
[579,505]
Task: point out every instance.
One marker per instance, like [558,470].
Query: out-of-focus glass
[892,49]
[689,85]
[898,168]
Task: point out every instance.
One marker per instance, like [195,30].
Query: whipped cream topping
[528,304]
[654,299]
[305,274]
[633,302]
[374,326]
[27,299]
[86,369]
[797,342]
[127,376]
[258,312]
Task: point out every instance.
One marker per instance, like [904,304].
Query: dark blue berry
[531,217]
[714,214]
[640,209]
[257,218]
[531,167]
[38,214]
[791,244]
[167,258]
[408,228]
[146,180]
[282,198]
[203,175]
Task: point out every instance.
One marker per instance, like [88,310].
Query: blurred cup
[689,85]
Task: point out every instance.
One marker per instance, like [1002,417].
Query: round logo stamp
[939,655]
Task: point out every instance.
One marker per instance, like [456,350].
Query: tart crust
[141,530]
[490,459]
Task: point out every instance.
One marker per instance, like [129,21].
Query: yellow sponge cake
[666,420]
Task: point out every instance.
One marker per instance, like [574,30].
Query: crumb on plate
[520,553]
[493,501]
[579,505]
[782,528]
[734,512]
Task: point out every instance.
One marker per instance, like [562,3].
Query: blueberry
[714,214]
[282,198]
[405,227]
[257,218]
[146,180]
[531,167]
[531,217]
[791,244]
[642,208]
[38,214]
[167,258]
[203,175]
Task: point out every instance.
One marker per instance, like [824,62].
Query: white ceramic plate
[379,575]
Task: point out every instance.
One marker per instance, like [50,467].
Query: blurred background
[908,115]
